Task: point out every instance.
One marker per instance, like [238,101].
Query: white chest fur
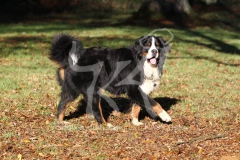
[152,76]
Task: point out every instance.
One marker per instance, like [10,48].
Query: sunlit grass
[197,71]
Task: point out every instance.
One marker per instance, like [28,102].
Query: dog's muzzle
[154,59]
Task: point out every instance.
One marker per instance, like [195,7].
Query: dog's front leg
[135,113]
[157,108]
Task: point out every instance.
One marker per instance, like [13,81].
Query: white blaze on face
[150,56]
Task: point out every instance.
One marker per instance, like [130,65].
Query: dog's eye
[149,44]
[157,44]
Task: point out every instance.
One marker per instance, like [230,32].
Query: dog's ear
[165,48]
[162,42]
[143,40]
[138,46]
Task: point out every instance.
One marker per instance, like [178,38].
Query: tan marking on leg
[157,108]
[161,112]
[61,73]
[135,113]
[101,113]
[62,114]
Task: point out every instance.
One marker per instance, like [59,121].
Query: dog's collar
[148,78]
[152,78]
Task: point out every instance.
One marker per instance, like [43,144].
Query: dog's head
[152,49]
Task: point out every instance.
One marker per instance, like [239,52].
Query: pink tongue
[153,61]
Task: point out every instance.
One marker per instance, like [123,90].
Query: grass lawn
[200,88]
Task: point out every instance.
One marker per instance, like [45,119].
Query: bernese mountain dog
[134,71]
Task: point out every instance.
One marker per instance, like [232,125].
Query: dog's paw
[136,122]
[63,123]
[164,116]
[109,125]
[90,116]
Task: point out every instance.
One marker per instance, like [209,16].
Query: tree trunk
[186,6]
[166,7]
[209,1]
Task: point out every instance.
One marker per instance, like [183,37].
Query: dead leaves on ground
[27,134]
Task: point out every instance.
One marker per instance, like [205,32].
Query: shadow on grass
[13,44]
[61,24]
[25,43]
[216,44]
[206,58]
[124,106]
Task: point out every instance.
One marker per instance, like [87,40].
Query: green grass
[201,73]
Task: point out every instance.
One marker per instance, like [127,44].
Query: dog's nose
[154,52]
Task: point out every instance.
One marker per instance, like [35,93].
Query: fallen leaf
[19,156]
[41,154]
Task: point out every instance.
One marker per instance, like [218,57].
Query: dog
[135,71]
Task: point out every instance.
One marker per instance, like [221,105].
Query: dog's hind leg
[66,98]
[62,107]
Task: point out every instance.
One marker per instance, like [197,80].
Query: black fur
[75,82]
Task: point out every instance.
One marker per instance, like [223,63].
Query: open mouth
[153,61]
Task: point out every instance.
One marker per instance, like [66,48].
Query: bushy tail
[61,46]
